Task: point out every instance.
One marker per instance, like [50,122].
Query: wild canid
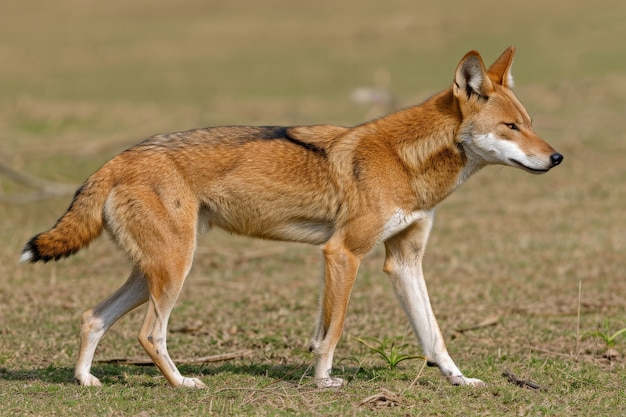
[345,189]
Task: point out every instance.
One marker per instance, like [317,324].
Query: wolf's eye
[511,126]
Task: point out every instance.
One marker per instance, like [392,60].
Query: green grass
[79,83]
[388,349]
[605,335]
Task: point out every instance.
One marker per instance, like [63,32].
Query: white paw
[192,383]
[88,380]
[331,382]
[461,380]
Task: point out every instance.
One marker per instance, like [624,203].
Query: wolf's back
[81,223]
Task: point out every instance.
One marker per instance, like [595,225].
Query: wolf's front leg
[403,264]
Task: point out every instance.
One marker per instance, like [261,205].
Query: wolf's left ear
[471,77]
[500,71]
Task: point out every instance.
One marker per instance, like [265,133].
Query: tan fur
[345,189]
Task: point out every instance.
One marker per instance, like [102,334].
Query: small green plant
[387,349]
[605,335]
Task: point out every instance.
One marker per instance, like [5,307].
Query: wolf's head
[496,128]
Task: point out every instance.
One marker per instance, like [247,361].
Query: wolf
[345,189]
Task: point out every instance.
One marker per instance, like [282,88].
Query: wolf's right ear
[471,78]
[500,71]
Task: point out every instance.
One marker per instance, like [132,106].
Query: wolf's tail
[82,222]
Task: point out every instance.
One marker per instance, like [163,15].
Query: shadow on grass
[119,374]
[65,375]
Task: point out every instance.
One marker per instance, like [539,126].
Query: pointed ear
[500,71]
[471,77]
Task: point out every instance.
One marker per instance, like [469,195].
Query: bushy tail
[81,223]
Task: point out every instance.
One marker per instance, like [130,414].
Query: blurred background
[81,76]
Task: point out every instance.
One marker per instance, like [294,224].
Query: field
[526,273]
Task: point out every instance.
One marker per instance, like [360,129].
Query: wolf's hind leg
[341,268]
[96,322]
[165,287]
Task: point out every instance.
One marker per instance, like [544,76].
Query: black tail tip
[30,253]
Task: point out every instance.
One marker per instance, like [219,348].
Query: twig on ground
[384,398]
[489,321]
[206,359]
[550,352]
[522,382]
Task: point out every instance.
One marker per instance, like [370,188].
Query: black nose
[556,158]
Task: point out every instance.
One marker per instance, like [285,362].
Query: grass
[387,349]
[80,83]
[609,339]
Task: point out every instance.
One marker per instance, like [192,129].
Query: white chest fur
[401,220]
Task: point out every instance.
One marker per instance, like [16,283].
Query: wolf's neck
[425,140]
